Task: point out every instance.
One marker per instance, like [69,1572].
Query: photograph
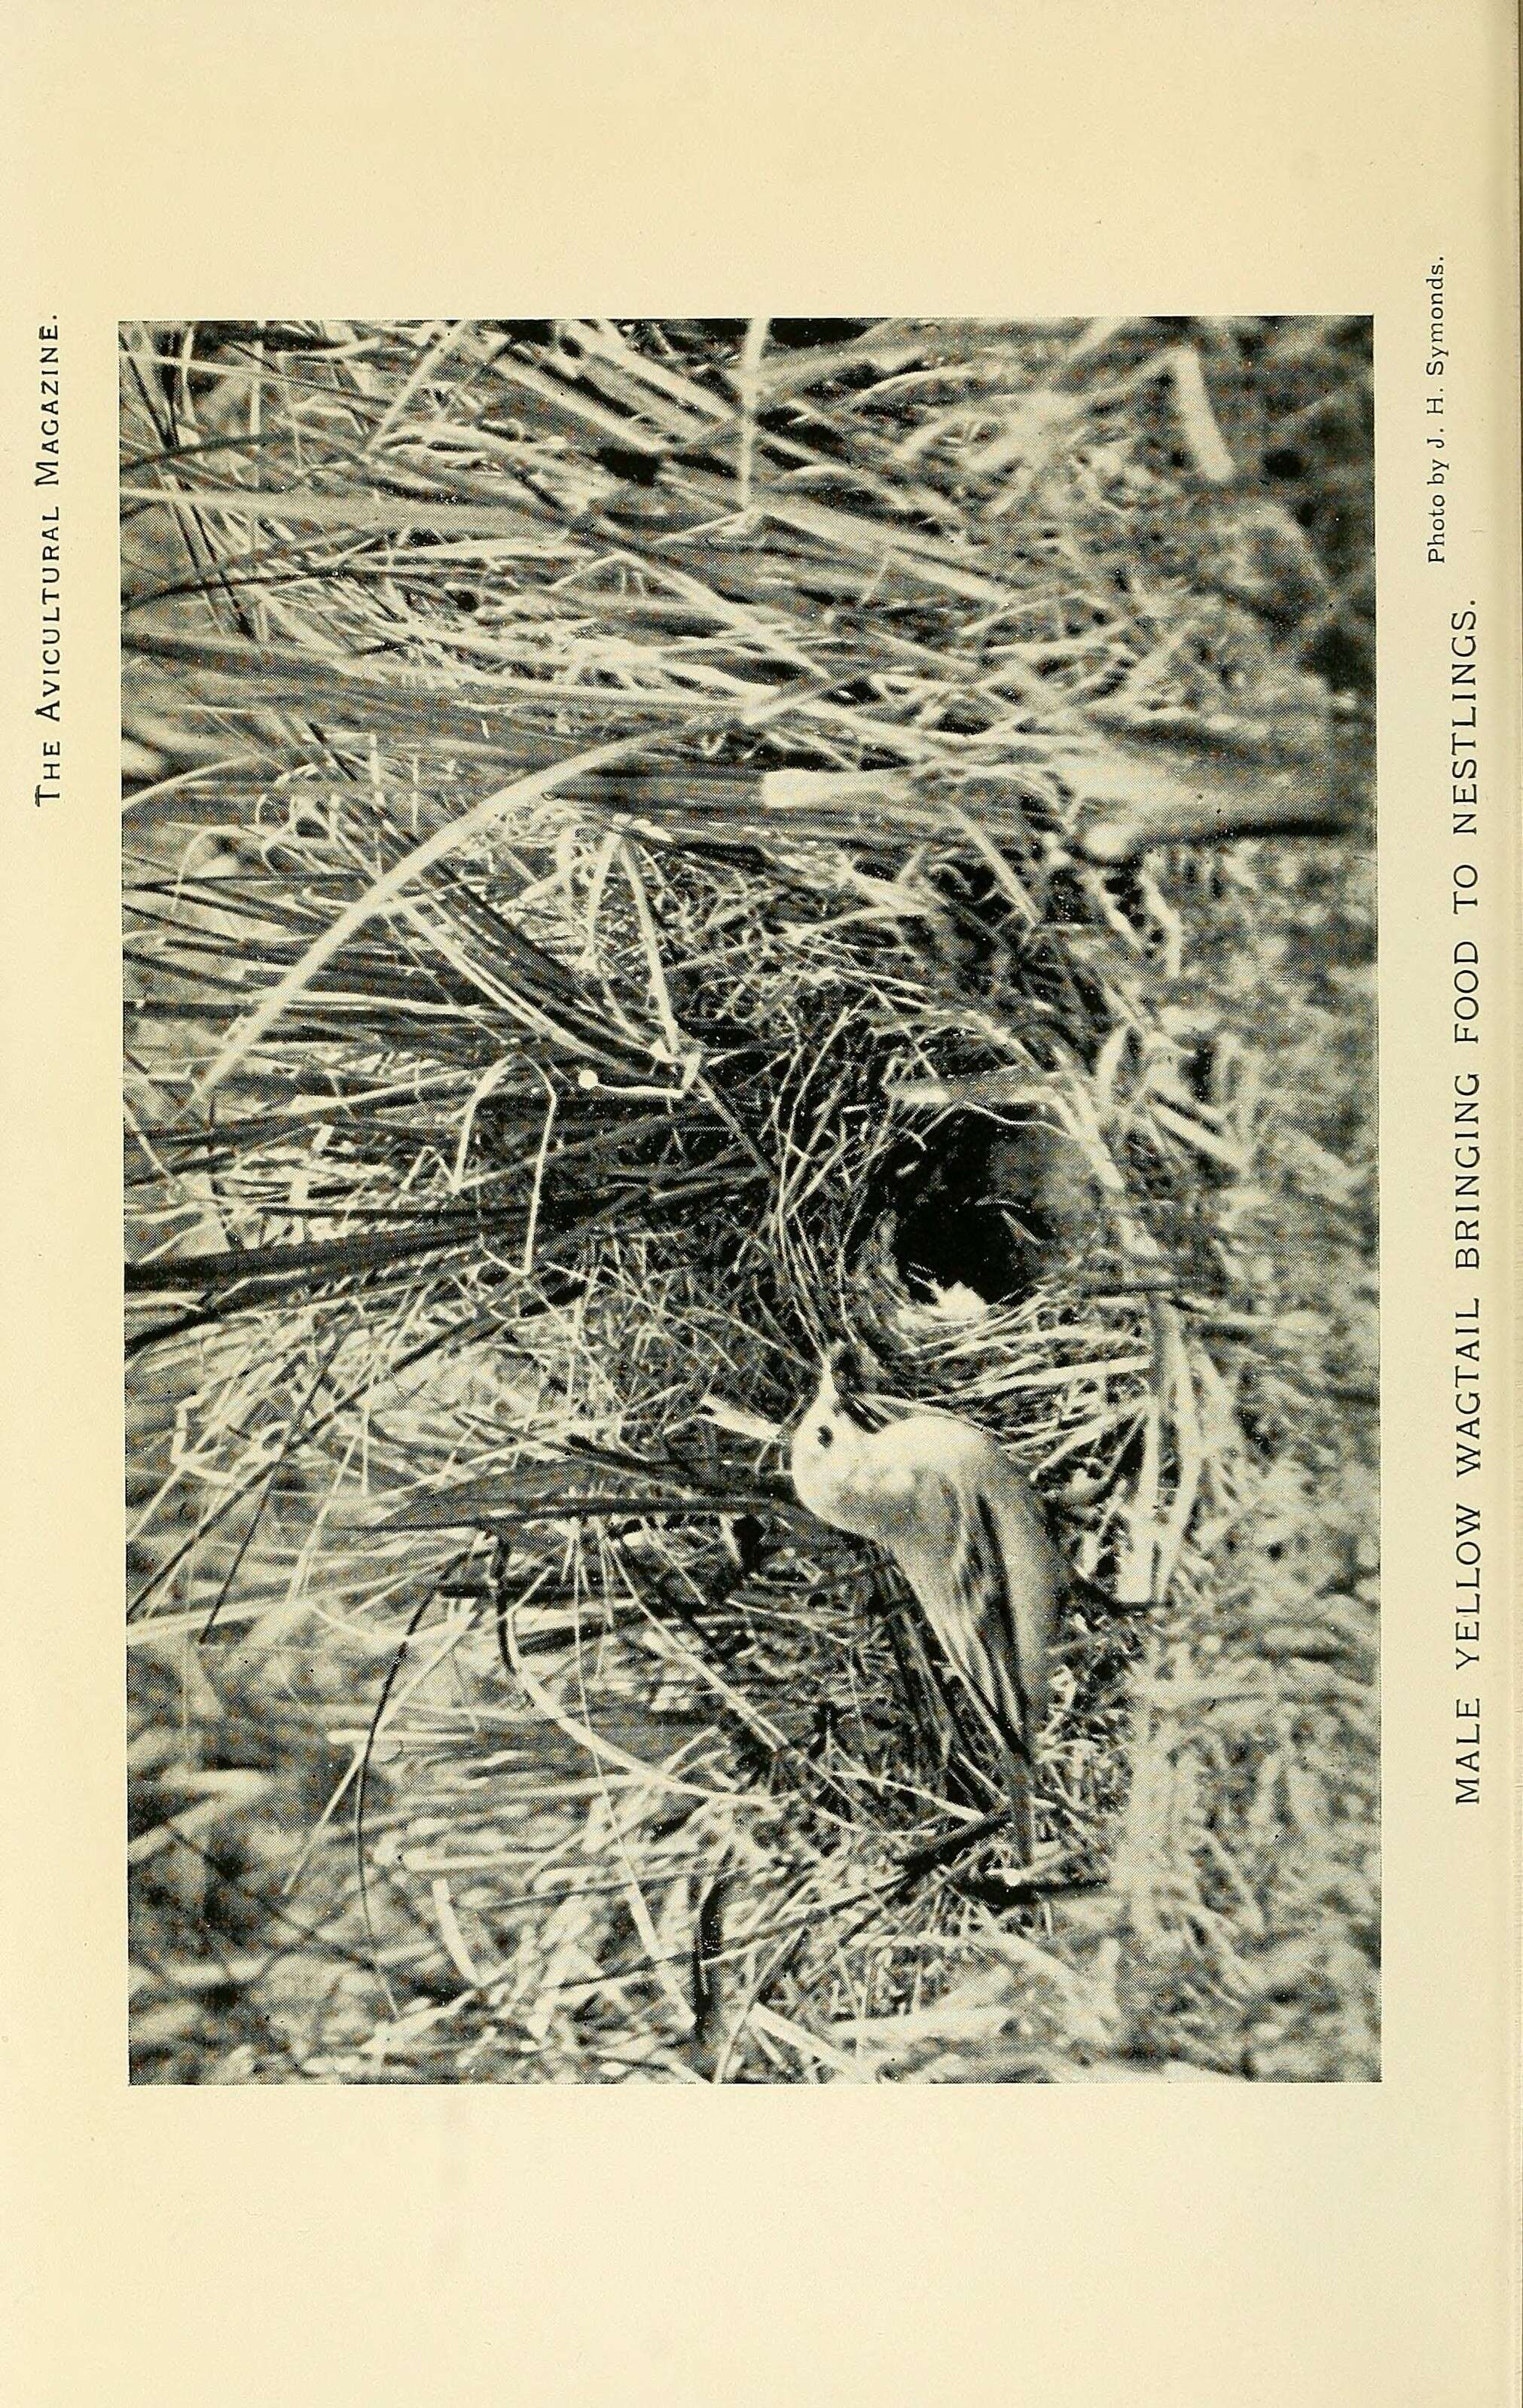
[751,1362]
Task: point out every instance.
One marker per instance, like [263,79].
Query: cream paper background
[1205,2246]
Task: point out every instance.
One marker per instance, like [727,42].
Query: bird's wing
[963,1581]
[989,1575]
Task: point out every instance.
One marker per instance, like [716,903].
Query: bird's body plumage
[963,1524]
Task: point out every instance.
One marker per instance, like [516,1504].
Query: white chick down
[963,1524]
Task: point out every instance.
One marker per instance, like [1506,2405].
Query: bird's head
[827,1440]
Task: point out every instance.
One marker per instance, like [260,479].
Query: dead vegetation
[624,887]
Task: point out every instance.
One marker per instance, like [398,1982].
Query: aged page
[791,751]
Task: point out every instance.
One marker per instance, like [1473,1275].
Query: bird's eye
[825,1435]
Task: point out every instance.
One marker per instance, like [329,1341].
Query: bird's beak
[841,1366]
[839,1380]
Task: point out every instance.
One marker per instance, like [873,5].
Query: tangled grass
[621,828]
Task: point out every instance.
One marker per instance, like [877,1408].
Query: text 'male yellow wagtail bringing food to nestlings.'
[964,1525]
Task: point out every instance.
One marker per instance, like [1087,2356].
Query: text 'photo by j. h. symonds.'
[752,1387]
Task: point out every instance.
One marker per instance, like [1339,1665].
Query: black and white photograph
[758,1049]
[752,1367]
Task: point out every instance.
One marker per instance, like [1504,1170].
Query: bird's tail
[1006,1710]
[1015,1765]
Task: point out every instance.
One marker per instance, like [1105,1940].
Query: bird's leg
[1017,1771]
[1088,1593]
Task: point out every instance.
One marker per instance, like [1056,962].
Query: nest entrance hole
[980,1204]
